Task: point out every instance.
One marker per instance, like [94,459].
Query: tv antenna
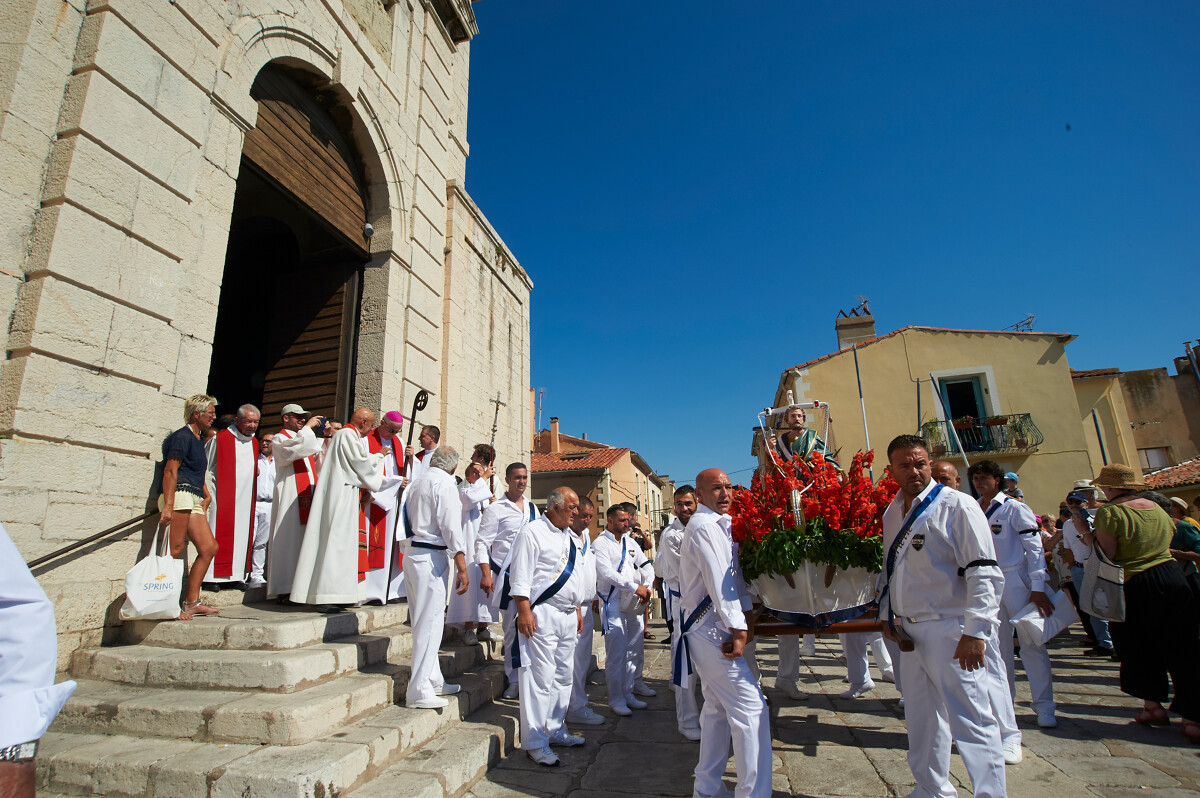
[1024,325]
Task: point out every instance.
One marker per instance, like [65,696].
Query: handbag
[1036,631]
[154,584]
[1102,594]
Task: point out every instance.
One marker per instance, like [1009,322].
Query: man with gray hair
[232,464]
[435,521]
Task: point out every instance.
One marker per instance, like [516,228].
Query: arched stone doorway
[291,291]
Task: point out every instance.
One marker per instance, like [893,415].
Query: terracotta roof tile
[930,329]
[576,461]
[1084,374]
[1186,473]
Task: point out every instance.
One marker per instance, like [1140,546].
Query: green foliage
[782,552]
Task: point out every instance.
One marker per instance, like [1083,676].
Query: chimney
[854,327]
[554,447]
[584,436]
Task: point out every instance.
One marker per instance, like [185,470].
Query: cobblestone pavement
[829,746]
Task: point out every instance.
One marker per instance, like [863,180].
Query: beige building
[1004,396]
[259,200]
[1164,410]
[605,474]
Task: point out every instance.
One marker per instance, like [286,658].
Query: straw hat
[1118,476]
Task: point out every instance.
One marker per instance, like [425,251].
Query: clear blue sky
[697,188]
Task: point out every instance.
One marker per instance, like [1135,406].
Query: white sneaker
[724,792]
[469,638]
[888,676]
[644,689]
[566,739]
[484,633]
[585,717]
[1012,752]
[620,709]
[858,690]
[449,689]
[809,649]
[1047,720]
[902,702]
[543,756]
[512,691]
[255,583]
[791,690]
[691,734]
[434,702]
[634,703]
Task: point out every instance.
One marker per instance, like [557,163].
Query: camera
[320,428]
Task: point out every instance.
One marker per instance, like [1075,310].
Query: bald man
[332,565]
[945,473]
[714,635]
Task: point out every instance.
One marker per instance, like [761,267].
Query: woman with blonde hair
[183,505]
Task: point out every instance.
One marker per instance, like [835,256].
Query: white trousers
[734,707]
[547,662]
[508,623]
[425,573]
[625,629]
[687,703]
[583,661]
[857,667]
[1001,698]
[637,646]
[789,658]
[262,534]
[943,702]
[1036,660]
[893,650]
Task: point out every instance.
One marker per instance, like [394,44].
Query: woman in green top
[1158,636]
[1185,546]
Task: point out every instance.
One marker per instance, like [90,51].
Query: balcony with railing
[1015,434]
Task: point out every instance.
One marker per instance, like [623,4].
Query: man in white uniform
[547,592]
[715,633]
[29,698]
[232,459]
[1019,551]
[472,608]
[332,564]
[264,498]
[385,576]
[435,513]
[858,668]
[687,708]
[941,588]
[298,454]
[498,527]
[619,577]
[578,712]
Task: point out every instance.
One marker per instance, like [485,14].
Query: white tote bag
[1034,630]
[153,586]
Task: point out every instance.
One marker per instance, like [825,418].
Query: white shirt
[435,511]
[951,534]
[707,567]
[540,554]
[473,495]
[586,564]
[265,485]
[620,565]
[1017,540]
[420,464]
[667,562]
[29,698]
[498,527]
[1072,536]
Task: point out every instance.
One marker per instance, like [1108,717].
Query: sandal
[1152,717]
[649,636]
[1191,731]
[197,607]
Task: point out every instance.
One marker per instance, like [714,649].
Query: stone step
[74,763]
[263,626]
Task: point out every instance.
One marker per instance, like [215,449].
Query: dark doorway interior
[964,398]
[288,314]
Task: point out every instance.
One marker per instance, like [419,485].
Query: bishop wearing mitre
[331,568]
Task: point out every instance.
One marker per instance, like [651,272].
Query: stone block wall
[121,131]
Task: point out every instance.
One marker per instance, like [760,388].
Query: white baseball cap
[294,409]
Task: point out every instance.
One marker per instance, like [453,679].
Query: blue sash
[683,654]
[993,508]
[548,593]
[604,622]
[901,537]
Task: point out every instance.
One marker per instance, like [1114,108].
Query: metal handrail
[92,539]
[1014,433]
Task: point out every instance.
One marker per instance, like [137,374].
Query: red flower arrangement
[841,523]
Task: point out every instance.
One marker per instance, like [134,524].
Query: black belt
[416,544]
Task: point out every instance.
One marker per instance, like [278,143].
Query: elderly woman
[183,505]
[1158,635]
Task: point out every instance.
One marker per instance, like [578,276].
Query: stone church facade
[264,201]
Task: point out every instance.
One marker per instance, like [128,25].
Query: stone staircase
[272,701]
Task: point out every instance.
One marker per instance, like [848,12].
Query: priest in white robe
[331,568]
[299,453]
[232,463]
[385,570]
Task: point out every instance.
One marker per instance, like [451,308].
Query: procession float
[809,534]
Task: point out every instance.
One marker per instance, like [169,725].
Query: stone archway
[288,316]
